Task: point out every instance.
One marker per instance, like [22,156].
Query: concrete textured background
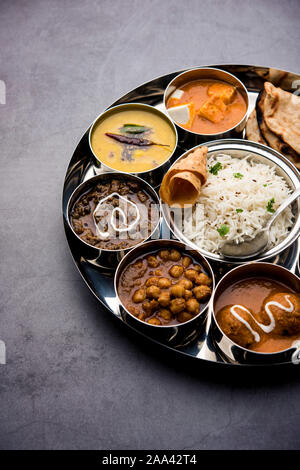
[75,378]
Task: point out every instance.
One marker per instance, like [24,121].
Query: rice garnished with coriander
[238,199]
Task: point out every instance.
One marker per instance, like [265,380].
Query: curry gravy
[132,206]
[252,294]
[164,272]
[198,93]
[132,158]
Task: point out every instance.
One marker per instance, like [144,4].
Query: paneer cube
[223,91]
[213,109]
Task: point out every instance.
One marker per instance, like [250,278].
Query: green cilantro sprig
[223,230]
[269,206]
[238,175]
[215,169]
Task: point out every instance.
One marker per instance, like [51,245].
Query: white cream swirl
[242,320]
[265,328]
[103,209]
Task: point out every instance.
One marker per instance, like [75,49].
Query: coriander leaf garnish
[223,230]
[269,206]
[239,210]
[133,129]
[214,169]
[238,175]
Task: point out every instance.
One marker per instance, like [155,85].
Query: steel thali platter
[82,166]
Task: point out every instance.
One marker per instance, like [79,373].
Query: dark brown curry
[114,215]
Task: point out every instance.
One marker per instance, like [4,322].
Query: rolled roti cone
[181,185]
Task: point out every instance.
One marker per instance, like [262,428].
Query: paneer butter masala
[207,106]
[164,288]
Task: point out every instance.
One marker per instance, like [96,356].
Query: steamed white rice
[223,194]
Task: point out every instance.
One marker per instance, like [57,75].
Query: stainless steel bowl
[99,256]
[260,153]
[231,350]
[175,335]
[209,73]
[155,175]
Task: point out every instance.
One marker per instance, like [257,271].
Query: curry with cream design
[114,214]
[259,314]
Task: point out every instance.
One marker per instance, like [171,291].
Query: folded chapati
[252,130]
[282,115]
[272,139]
[182,183]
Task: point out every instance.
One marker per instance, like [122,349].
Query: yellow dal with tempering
[133,158]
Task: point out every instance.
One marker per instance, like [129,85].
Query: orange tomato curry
[214,106]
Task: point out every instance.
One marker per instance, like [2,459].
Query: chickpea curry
[164,288]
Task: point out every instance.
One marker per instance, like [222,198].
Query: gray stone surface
[75,378]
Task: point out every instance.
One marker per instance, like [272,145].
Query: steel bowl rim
[113,174]
[217,133]
[214,256]
[179,325]
[141,105]
[212,310]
